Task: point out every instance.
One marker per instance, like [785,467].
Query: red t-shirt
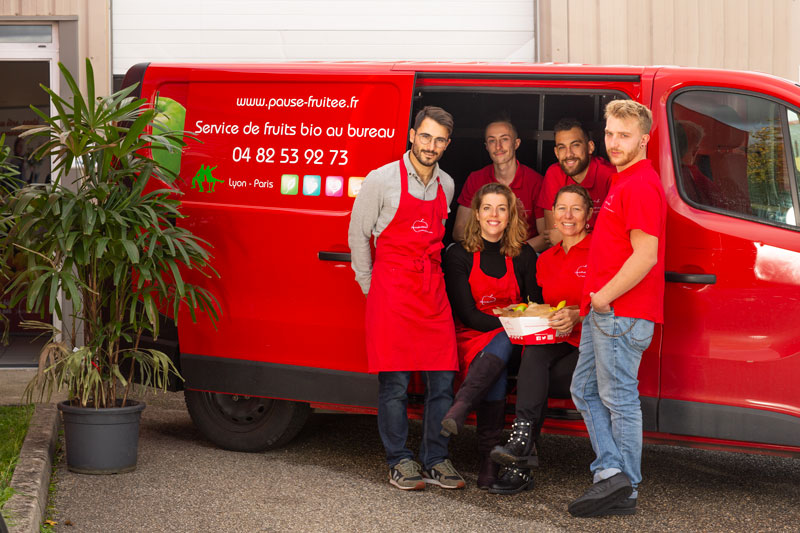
[560,274]
[526,186]
[635,201]
[597,181]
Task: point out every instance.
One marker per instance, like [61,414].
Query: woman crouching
[492,267]
[546,369]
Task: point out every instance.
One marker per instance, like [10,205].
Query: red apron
[409,324]
[488,293]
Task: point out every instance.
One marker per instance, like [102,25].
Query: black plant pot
[101,441]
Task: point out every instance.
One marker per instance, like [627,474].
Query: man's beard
[424,159]
[582,164]
[624,159]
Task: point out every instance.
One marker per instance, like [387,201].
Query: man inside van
[576,166]
[501,141]
[409,324]
[623,297]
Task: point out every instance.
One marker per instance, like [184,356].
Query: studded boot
[520,450]
[483,372]
[513,480]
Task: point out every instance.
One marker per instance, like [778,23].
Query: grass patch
[14,422]
[49,523]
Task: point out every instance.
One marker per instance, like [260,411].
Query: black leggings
[545,370]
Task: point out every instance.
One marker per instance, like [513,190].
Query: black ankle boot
[520,450]
[483,372]
[513,480]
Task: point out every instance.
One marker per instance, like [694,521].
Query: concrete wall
[732,34]
[84,29]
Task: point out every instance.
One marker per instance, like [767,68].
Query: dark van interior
[533,112]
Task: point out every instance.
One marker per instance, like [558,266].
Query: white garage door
[324,30]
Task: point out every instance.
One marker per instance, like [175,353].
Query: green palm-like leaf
[107,241]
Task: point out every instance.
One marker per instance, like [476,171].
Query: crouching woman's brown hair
[515,234]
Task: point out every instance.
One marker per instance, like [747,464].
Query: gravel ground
[332,478]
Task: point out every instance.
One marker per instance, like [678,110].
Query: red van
[284,148]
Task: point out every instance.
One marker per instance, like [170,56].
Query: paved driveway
[332,478]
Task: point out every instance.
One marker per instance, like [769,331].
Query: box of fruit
[529,323]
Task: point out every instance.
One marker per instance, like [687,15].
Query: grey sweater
[376,205]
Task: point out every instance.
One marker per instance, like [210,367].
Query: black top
[457,267]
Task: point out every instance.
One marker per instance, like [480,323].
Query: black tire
[246,423]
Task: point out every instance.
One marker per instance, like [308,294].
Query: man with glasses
[409,324]
[501,141]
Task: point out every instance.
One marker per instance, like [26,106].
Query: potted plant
[8,184]
[104,233]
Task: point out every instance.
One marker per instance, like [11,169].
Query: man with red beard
[409,323]
[623,299]
[501,141]
[576,166]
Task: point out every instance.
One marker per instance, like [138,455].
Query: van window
[794,160]
[731,153]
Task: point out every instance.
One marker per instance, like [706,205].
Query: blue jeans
[393,415]
[605,391]
[500,346]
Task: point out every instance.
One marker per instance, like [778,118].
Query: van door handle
[334,256]
[702,279]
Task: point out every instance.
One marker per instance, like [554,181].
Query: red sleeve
[550,187]
[641,204]
[604,173]
[541,267]
[469,190]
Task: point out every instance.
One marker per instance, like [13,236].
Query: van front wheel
[245,423]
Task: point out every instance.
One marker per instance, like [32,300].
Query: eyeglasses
[426,138]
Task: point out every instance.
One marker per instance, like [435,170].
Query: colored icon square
[289,183]
[334,186]
[312,185]
[353,186]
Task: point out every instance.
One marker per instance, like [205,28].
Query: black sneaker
[625,507]
[602,496]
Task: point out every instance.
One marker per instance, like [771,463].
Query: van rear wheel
[245,423]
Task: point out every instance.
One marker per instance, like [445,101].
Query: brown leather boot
[491,420]
[483,372]
[487,475]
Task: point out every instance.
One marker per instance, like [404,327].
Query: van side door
[730,359]
[282,153]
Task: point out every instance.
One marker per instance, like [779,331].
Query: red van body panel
[280,303]
[728,343]
[292,313]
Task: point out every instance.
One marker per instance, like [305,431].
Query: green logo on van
[204,176]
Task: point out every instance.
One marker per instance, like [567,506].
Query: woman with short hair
[546,369]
